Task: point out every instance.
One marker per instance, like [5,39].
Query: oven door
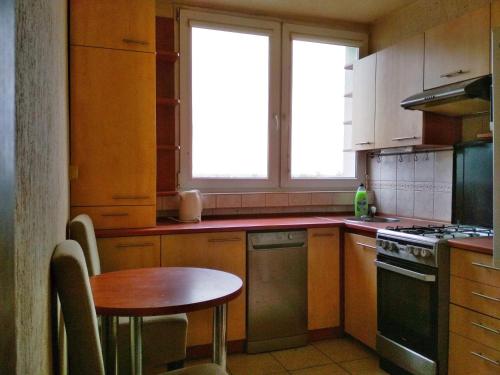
[407,302]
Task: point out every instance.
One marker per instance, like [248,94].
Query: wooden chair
[70,276]
[164,337]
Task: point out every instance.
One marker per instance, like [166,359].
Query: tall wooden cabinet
[360,288]
[224,251]
[323,280]
[113,130]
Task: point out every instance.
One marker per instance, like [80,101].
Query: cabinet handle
[363,143]
[485,266]
[486,297]
[486,328]
[144,244]
[404,138]
[482,356]
[135,41]
[118,196]
[323,235]
[231,239]
[115,214]
[364,245]
[454,73]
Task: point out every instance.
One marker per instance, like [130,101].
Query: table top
[162,290]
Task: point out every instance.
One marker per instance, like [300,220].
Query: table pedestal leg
[136,345]
[219,335]
[109,343]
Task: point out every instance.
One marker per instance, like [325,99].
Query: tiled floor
[336,357]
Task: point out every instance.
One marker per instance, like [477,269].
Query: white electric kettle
[190,206]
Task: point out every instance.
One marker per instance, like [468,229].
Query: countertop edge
[479,245]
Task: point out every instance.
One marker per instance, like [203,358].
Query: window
[264,105]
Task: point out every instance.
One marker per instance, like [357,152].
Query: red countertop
[259,223]
[481,245]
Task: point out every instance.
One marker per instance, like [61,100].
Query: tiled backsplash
[267,203]
[413,185]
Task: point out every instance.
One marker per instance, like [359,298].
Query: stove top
[445,231]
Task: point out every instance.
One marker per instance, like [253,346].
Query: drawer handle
[486,297]
[130,196]
[135,41]
[115,214]
[324,235]
[485,266]
[363,143]
[404,138]
[232,239]
[144,244]
[482,356]
[489,329]
[454,73]
[364,245]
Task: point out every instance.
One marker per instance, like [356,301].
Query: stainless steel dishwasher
[277,290]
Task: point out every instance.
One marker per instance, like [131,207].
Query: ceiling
[364,11]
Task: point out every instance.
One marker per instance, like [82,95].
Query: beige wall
[416,18]
[41,148]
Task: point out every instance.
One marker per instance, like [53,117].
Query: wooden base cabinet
[360,288]
[323,286]
[221,251]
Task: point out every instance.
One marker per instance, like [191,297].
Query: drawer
[116,217]
[469,357]
[474,266]
[475,296]
[129,252]
[475,326]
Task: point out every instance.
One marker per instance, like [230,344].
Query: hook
[415,157]
[427,155]
[379,159]
[400,158]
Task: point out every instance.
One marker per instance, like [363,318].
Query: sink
[374,219]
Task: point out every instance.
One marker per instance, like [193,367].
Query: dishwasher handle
[270,246]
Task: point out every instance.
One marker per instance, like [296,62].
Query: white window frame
[314,34]
[189,18]
[279,121]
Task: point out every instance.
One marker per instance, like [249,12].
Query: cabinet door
[468,357]
[220,251]
[323,275]
[400,71]
[113,131]
[122,253]
[458,50]
[120,24]
[495,13]
[363,103]
[360,288]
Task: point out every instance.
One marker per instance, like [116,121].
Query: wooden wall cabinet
[360,288]
[222,251]
[458,50]
[119,24]
[122,253]
[363,103]
[323,286]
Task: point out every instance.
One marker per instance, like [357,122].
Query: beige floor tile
[300,358]
[331,369]
[342,350]
[254,364]
[365,366]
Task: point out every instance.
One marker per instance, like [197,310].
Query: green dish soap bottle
[361,202]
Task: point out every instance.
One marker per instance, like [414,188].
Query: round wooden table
[160,291]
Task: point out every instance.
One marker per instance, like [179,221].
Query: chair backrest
[81,230]
[69,273]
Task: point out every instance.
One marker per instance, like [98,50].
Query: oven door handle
[406,272]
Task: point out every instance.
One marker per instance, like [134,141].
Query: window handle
[277,121]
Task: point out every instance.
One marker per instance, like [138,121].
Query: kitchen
[133,66]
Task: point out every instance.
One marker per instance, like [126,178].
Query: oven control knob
[394,247]
[425,253]
[385,245]
[416,251]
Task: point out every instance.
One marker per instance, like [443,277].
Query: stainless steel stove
[413,296]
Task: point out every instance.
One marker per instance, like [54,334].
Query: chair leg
[175,365]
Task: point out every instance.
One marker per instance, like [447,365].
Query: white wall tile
[374,168]
[388,198]
[443,167]
[322,198]
[276,199]
[405,168]
[228,200]
[424,167]
[442,206]
[388,168]
[424,204]
[405,200]
[209,201]
[299,199]
[253,200]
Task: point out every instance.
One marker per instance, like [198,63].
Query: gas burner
[445,232]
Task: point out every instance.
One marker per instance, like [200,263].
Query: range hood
[457,99]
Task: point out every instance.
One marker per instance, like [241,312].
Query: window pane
[319,111]
[230,97]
